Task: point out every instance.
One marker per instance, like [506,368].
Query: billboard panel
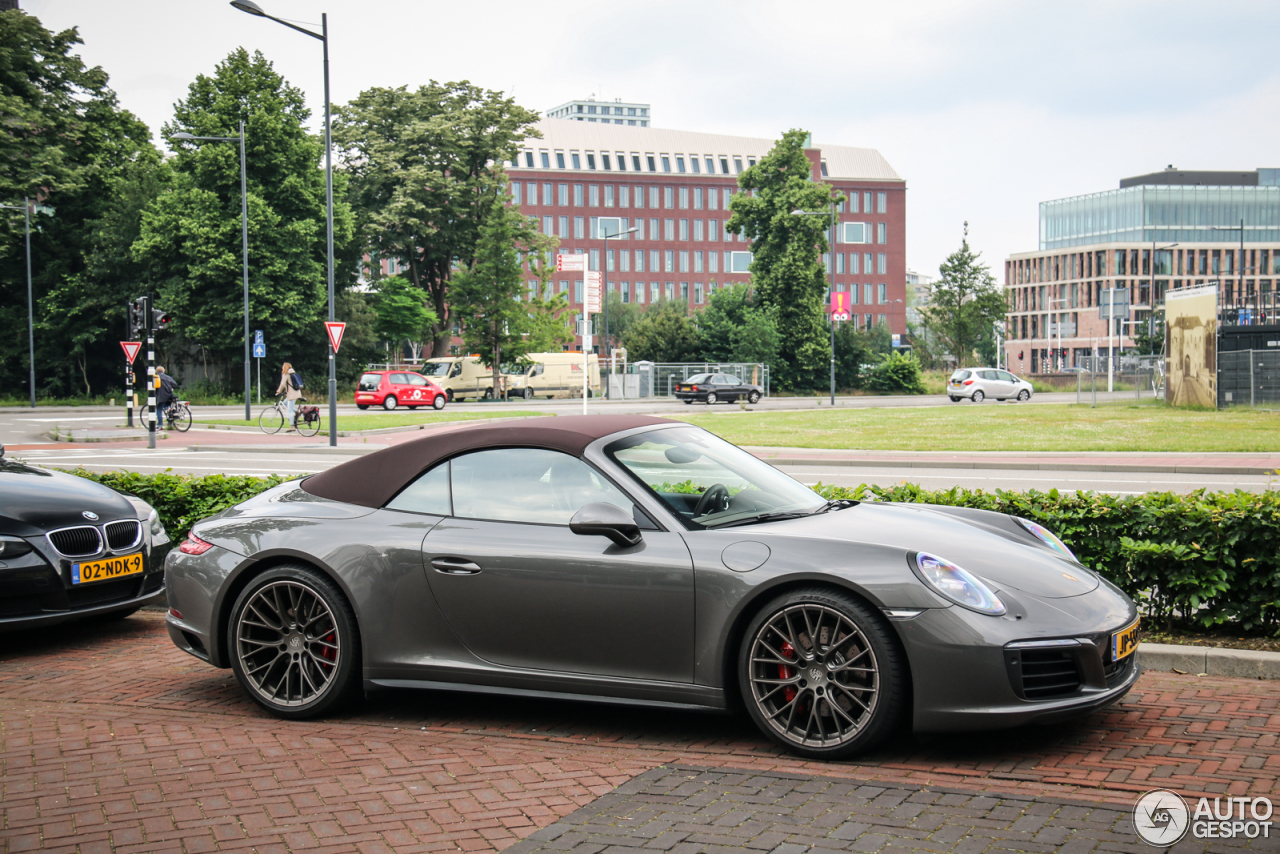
[1191,347]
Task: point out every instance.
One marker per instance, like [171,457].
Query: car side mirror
[606,520]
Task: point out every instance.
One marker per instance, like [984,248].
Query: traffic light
[1019,355]
[137,317]
[160,319]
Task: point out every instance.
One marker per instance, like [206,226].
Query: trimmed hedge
[184,499]
[1207,558]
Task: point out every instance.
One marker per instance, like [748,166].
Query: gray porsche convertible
[637,559]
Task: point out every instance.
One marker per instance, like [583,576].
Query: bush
[896,373]
[184,499]
[1206,559]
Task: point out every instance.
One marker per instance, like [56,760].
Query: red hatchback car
[390,389]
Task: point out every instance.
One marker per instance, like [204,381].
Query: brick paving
[691,810]
[113,740]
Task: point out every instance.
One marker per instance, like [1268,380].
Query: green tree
[191,240]
[665,333]
[549,325]
[425,169]
[852,352]
[622,316]
[965,303]
[66,144]
[786,267]
[402,313]
[490,293]
[732,328]
[896,373]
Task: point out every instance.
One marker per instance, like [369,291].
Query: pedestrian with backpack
[291,387]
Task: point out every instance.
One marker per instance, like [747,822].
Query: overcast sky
[985,107]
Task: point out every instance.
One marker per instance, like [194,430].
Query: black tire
[307,428]
[271,420]
[488,394]
[439,402]
[1024,396]
[954,399]
[275,594]
[977,396]
[448,393]
[753,397]
[180,419]
[362,406]
[389,402]
[871,699]
[711,398]
[688,400]
[527,394]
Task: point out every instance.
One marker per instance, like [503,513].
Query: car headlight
[1044,535]
[958,585]
[13,547]
[154,523]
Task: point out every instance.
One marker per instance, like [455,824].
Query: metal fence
[1248,378]
[1141,378]
[659,379]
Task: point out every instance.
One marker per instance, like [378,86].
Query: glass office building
[1156,214]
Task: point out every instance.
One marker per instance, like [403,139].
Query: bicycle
[178,415]
[306,419]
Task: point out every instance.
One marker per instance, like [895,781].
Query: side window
[732,380]
[1007,377]
[417,379]
[987,375]
[428,494]
[537,370]
[400,379]
[456,370]
[719,379]
[527,485]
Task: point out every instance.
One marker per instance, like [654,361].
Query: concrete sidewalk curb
[1210,660]
[1015,465]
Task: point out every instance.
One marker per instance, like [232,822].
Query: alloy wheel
[288,643]
[814,676]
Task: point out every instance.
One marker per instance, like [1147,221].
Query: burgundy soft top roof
[374,480]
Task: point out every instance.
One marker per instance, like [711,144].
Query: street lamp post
[31,335]
[604,263]
[831,279]
[254,9]
[1240,263]
[244,245]
[1057,321]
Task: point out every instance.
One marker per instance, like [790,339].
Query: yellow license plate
[1124,643]
[106,569]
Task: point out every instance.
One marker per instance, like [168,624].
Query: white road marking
[66,420]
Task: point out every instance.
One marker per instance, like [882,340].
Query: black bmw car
[714,388]
[643,560]
[71,548]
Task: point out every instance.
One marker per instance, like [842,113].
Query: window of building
[737,165]
[669,261]
[564,227]
[713,262]
[669,229]
[515,192]
[882,293]
[866,263]
[624,260]
[655,261]
[697,293]
[604,161]
[713,230]
[823,164]
[666,163]
[591,160]
[639,260]
[548,194]
[653,198]
[882,319]
[528,159]
[684,198]
[608,195]
[626,292]
[882,202]
[693,161]
[595,195]
[867,321]
[713,199]
[639,229]
[577,195]
[608,261]
[593,262]
[668,198]
[624,196]
[653,166]
[564,288]
[868,294]
[855,267]
[653,229]
[679,163]
[697,262]
[839,263]
[697,198]
[670,290]
[559,159]
[741,262]
[546,160]
[751,161]
[697,229]
[577,291]
[684,229]
[880,232]
[684,260]
[684,292]
[724,166]
[635,163]
[548,225]
[866,202]
[881,263]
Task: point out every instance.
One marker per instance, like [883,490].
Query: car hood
[33,500]
[990,545]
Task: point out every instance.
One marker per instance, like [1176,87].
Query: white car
[978,384]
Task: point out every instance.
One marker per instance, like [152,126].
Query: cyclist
[291,388]
[164,393]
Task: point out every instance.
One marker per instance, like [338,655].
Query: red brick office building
[675,187]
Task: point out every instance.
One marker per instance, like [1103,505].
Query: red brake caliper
[328,653]
[784,672]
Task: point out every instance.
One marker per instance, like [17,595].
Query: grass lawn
[390,419]
[1004,427]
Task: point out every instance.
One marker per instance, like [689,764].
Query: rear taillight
[968,382]
[193,545]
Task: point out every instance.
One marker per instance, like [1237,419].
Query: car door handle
[455,565]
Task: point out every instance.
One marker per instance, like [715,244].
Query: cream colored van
[556,375]
[462,376]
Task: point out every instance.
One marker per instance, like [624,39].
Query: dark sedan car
[713,388]
[71,548]
[638,559]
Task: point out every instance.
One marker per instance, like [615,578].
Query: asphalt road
[258,463]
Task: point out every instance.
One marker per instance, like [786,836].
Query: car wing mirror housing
[606,520]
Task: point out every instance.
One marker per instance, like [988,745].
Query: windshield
[369,382]
[699,378]
[707,481]
[960,375]
[436,369]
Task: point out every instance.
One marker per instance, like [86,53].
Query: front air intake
[83,541]
[1049,673]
